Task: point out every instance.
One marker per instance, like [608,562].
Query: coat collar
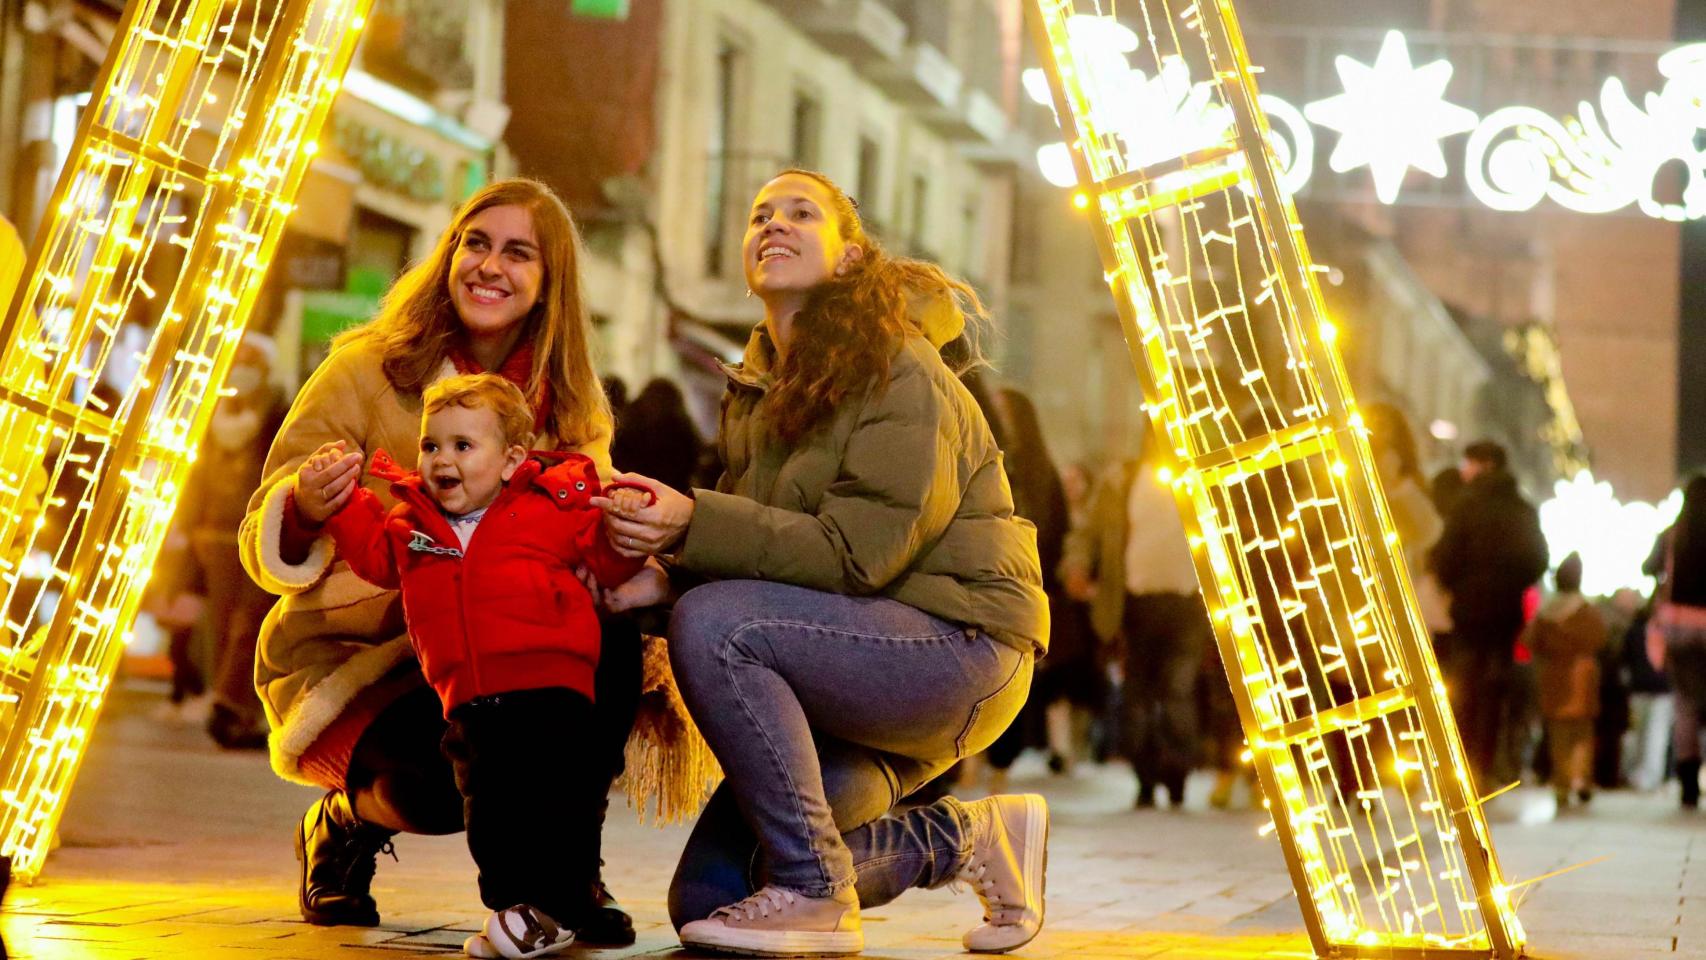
[753,370]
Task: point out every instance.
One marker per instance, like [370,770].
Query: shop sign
[390,162]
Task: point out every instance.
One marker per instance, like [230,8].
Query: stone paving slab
[171,849]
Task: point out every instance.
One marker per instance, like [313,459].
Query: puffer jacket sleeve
[331,406]
[898,488]
[359,532]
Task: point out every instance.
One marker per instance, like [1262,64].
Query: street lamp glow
[1393,116]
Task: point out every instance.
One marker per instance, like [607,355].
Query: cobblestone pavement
[173,849]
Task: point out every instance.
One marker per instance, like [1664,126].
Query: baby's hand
[326,481]
[629,500]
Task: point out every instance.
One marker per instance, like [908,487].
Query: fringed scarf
[517,369]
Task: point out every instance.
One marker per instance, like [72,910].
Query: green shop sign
[600,9]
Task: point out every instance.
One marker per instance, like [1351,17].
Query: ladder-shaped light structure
[1295,548]
[138,288]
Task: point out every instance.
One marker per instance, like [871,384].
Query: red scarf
[517,369]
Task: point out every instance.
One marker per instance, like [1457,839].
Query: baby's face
[464,459]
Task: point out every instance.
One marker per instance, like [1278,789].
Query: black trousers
[532,817]
[1485,681]
[400,755]
[1166,635]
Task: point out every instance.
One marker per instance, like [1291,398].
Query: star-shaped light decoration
[1391,117]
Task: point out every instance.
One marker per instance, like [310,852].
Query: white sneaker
[524,931]
[781,923]
[1007,869]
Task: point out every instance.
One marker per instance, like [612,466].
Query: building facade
[906,104]
[415,129]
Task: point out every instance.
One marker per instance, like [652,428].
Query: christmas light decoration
[1394,116]
[1331,666]
[165,219]
[1391,117]
[1519,155]
[1614,538]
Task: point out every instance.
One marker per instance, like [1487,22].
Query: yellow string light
[1317,624]
[193,148]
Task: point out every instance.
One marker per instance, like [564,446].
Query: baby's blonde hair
[484,391]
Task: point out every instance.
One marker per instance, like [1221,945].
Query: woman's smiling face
[497,272]
[793,237]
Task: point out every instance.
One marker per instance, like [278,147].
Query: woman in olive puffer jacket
[875,607]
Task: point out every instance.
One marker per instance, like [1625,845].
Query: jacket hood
[938,316]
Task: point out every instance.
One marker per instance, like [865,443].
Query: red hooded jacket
[511,614]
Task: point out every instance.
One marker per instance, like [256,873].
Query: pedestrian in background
[1148,607]
[1445,488]
[227,471]
[1652,705]
[656,437]
[1491,553]
[1676,634]
[1068,677]
[1413,508]
[1566,637]
[965,776]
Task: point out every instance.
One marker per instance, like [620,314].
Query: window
[971,250]
[870,169]
[917,214]
[1022,252]
[727,70]
[808,130]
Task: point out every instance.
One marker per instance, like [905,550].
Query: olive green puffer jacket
[900,494]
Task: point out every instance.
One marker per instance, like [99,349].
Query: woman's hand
[638,531]
[326,481]
[648,588]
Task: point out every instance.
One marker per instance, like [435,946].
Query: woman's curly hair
[852,325]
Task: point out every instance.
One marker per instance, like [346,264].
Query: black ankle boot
[606,924]
[337,851]
[1688,771]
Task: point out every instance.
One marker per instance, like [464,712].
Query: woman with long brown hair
[875,606]
[348,707]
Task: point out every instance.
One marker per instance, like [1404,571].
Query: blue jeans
[825,711]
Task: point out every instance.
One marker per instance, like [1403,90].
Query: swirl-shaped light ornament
[1519,156]
[1161,117]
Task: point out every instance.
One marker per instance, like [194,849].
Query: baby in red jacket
[484,542]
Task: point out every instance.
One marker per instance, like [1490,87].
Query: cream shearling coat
[331,634]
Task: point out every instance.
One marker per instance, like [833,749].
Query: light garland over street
[1394,116]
